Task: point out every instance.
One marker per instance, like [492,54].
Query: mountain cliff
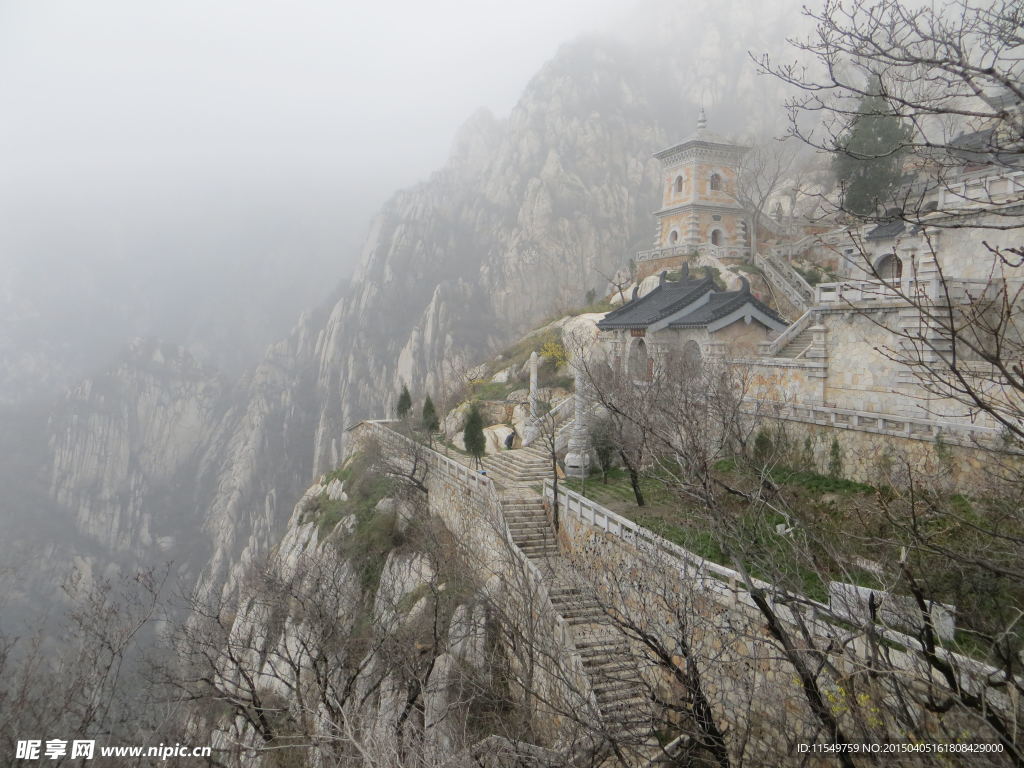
[160,458]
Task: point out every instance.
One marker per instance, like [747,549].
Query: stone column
[532,429]
[577,460]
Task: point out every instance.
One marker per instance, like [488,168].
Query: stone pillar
[532,429]
[577,460]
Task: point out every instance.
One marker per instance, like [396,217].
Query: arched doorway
[692,359]
[640,364]
[889,268]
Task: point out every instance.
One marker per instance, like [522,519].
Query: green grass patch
[495,390]
[517,354]
[369,545]
[816,483]
[600,306]
[363,486]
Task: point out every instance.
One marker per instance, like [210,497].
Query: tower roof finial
[702,119]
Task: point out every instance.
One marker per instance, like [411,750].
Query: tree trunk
[634,479]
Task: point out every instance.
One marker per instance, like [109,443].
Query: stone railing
[653,254]
[703,249]
[729,586]
[772,348]
[932,289]
[593,514]
[735,252]
[1006,188]
[562,413]
[476,484]
[479,489]
[789,250]
[782,276]
[868,421]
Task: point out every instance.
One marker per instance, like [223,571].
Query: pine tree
[869,158]
[473,434]
[429,417]
[404,402]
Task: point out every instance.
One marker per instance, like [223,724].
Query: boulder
[455,421]
[335,491]
[580,334]
[518,396]
[647,285]
[494,438]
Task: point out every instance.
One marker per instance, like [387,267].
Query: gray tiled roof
[888,229]
[720,305]
[656,305]
[670,298]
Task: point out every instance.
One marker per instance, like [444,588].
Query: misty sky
[123,119]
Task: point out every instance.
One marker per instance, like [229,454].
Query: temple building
[689,316]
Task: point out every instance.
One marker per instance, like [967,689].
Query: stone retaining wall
[703,613]
[540,649]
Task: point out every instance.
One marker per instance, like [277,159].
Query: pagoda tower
[699,206]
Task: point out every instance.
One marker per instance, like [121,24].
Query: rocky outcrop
[528,215]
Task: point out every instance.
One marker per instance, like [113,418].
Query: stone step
[803,340]
[534,524]
[515,458]
[533,539]
[592,646]
[572,598]
[524,513]
[607,666]
[527,521]
[532,545]
[633,706]
[578,609]
[616,688]
[590,618]
[540,554]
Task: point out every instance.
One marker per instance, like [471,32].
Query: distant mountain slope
[529,213]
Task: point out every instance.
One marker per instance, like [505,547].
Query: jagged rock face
[528,215]
[120,437]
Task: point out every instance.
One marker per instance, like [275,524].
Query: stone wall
[540,652]
[884,458]
[754,696]
[703,614]
[650,267]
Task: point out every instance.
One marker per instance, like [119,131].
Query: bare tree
[91,684]
[952,72]
[897,674]
[761,174]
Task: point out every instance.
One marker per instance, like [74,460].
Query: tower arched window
[716,237]
[673,237]
[890,268]
[678,185]
[716,182]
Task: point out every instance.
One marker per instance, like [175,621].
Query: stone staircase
[609,663]
[607,658]
[529,525]
[798,347]
[522,467]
